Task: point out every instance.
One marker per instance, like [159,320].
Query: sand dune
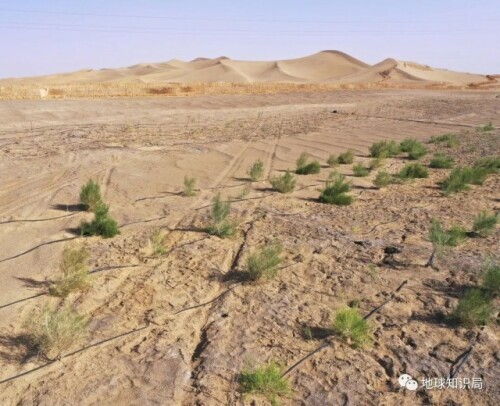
[322,67]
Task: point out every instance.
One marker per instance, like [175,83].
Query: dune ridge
[323,67]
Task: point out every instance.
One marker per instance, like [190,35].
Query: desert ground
[178,328]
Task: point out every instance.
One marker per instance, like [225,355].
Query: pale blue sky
[41,37]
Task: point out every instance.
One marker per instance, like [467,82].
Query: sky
[54,36]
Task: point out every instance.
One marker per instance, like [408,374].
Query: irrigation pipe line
[463,357]
[36,220]
[211,301]
[36,247]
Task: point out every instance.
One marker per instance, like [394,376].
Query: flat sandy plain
[184,347]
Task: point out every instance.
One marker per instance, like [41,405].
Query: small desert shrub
[485,223]
[360,171]
[376,163]
[384,149]
[302,160]
[413,171]
[157,242]
[266,380]
[351,327]
[53,331]
[346,158]
[476,175]
[488,164]
[416,151]
[189,186]
[220,209]
[474,308]
[332,161]
[285,183]
[221,225]
[449,140]
[310,168]
[443,239]
[90,196]
[407,144]
[256,171]
[413,148]
[382,179]
[304,167]
[437,234]
[491,277]
[461,177]
[486,128]
[455,182]
[442,161]
[455,236]
[307,333]
[264,262]
[75,273]
[335,191]
[102,224]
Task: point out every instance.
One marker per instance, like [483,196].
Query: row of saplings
[335,191]
[336,187]
[52,332]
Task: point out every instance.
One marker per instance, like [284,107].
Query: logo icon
[406,381]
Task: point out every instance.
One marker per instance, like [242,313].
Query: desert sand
[189,327]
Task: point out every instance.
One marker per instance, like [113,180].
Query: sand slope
[322,67]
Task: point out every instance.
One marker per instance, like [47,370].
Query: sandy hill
[322,67]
